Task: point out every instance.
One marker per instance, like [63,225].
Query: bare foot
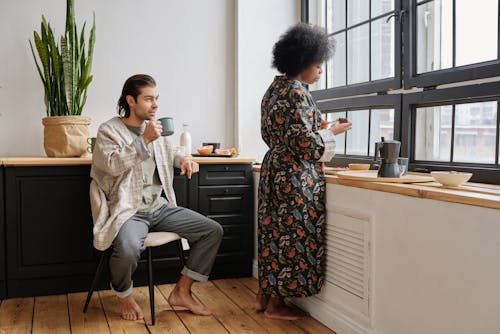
[277,309]
[184,299]
[129,309]
[260,303]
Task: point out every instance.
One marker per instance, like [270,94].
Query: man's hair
[301,46]
[133,87]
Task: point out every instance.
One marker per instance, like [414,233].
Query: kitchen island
[47,222]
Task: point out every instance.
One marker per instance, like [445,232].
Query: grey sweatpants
[204,236]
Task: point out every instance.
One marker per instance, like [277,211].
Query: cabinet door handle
[226,191]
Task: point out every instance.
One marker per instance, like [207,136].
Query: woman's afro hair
[301,46]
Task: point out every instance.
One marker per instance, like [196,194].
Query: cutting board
[371,176]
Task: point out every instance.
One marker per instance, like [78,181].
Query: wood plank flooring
[229,299]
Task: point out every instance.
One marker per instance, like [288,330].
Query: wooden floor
[229,299]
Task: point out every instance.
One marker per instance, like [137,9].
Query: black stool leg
[151,286]
[181,252]
[97,276]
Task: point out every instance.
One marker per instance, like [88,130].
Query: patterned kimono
[291,198]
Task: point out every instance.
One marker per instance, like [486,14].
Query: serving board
[371,176]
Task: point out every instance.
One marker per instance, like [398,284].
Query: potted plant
[64,67]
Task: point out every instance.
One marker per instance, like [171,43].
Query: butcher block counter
[44,161]
[477,194]
[46,222]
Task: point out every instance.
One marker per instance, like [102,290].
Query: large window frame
[414,90]
[489,173]
[381,85]
[392,101]
[411,78]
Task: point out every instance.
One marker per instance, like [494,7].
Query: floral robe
[291,197]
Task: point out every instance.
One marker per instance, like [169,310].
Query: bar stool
[153,239]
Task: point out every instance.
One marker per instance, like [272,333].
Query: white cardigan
[116,187]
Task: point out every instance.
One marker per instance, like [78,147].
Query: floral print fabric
[291,195]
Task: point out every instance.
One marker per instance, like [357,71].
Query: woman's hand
[340,126]
[189,166]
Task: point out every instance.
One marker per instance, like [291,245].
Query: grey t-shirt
[151,189]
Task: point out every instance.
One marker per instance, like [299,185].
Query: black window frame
[475,71]
[344,98]
[487,173]
[389,101]
[381,85]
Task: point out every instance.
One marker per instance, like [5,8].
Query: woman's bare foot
[129,309]
[261,301]
[181,298]
[277,309]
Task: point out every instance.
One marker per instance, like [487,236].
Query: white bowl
[451,179]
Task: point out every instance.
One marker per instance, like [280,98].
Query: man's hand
[152,131]
[189,166]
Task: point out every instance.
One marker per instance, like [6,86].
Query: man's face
[145,106]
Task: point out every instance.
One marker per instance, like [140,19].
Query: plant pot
[65,136]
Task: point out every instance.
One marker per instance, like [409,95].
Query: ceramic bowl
[451,179]
[359,166]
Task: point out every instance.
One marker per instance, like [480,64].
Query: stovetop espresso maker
[389,153]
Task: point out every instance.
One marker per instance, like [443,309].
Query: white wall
[434,266]
[187,46]
[260,23]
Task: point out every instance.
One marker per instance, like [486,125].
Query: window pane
[339,139]
[357,11]
[433,133]
[381,125]
[380,7]
[475,132]
[434,36]
[357,137]
[357,54]
[336,69]
[477,31]
[335,11]
[382,49]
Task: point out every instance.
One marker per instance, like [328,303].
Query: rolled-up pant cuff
[194,275]
[123,294]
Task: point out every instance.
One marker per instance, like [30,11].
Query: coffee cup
[168,126]
[91,142]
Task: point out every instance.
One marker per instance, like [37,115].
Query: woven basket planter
[65,136]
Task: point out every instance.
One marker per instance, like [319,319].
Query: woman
[291,209]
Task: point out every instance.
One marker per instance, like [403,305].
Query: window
[367,51]
[375,117]
[394,92]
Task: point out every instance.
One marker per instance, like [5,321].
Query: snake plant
[64,67]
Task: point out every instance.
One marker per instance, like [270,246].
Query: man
[132,164]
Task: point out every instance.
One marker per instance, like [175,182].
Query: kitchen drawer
[210,175]
[225,200]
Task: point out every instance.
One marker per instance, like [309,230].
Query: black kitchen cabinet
[2,237]
[48,230]
[225,194]
[48,227]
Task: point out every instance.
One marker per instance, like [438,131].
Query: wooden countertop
[44,161]
[477,194]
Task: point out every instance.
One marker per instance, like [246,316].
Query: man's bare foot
[277,309]
[260,303]
[129,309]
[182,298]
